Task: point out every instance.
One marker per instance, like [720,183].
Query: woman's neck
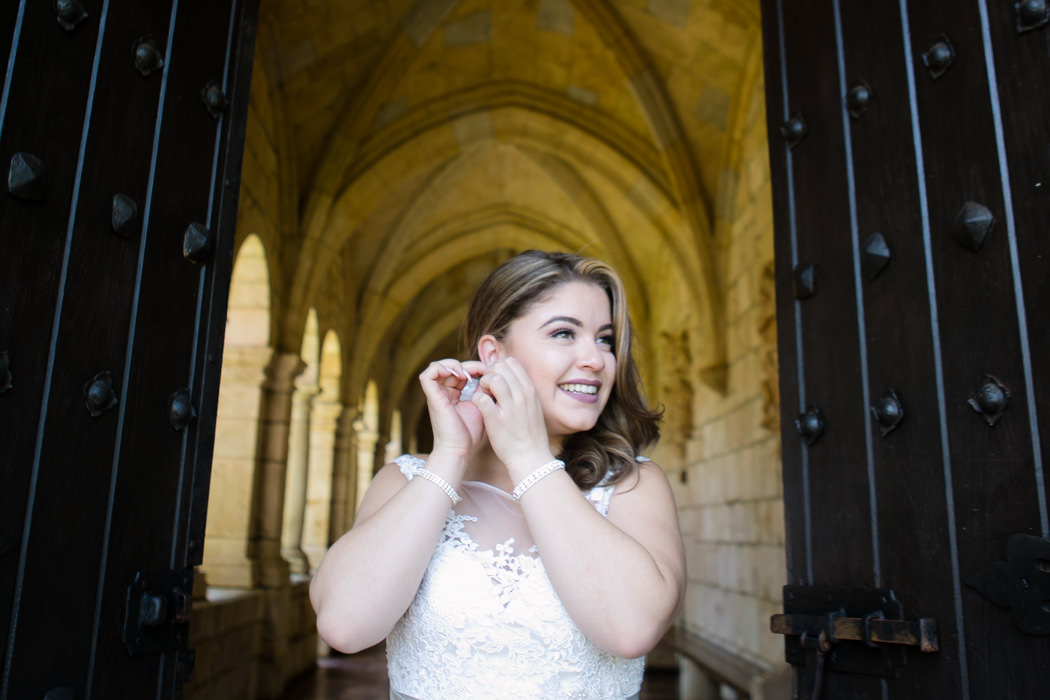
[487,468]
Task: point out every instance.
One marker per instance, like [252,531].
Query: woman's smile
[582,390]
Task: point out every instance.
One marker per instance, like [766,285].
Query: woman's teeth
[580,388]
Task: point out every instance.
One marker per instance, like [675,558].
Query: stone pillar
[272,571]
[323,426]
[343,483]
[694,683]
[275,414]
[366,437]
[379,456]
[298,475]
[226,540]
[394,446]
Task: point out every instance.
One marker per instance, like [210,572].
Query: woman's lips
[584,391]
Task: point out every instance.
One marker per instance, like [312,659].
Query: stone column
[298,474]
[275,414]
[366,437]
[343,483]
[694,683]
[226,540]
[272,571]
[319,488]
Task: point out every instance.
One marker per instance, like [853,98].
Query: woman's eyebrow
[563,319]
[575,322]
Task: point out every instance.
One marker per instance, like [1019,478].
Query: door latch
[848,630]
[157,615]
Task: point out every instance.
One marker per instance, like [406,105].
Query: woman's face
[565,343]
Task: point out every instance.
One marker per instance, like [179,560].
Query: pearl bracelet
[530,481]
[441,484]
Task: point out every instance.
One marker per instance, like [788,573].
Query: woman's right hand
[458,425]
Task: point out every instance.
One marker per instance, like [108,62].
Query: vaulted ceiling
[415,143]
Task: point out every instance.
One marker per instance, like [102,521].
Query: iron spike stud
[990,400]
[69,13]
[180,409]
[859,98]
[794,130]
[810,424]
[125,211]
[875,256]
[196,243]
[147,55]
[888,412]
[25,178]
[939,57]
[98,394]
[805,284]
[973,223]
[214,99]
[1031,14]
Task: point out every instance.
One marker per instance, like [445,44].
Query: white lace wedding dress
[486,622]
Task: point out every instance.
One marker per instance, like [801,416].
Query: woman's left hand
[513,417]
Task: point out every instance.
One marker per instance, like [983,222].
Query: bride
[534,553]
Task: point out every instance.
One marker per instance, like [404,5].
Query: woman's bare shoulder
[390,479]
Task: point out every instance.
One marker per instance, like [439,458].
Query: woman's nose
[591,356]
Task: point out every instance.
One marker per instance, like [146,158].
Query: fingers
[441,370]
[450,378]
[506,381]
[505,391]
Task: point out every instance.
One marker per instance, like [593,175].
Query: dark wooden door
[121,133]
[910,157]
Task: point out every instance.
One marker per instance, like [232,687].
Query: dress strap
[409,465]
[600,495]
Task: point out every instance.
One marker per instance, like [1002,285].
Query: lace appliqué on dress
[488,624]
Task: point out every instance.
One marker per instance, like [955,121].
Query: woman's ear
[490,349]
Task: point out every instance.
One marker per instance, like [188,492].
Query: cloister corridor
[397,151]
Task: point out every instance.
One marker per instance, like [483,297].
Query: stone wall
[730,496]
[226,630]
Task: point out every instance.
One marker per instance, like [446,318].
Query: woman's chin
[571,427]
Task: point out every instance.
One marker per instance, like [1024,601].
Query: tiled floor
[363,677]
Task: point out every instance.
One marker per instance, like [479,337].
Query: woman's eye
[562,333]
[606,340]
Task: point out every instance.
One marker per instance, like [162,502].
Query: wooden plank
[909,485]
[796,524]
[1024,110]
[841,537]
[46,92]
[165,337]
[993,483]
[826,485]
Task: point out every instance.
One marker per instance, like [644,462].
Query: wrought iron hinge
[158,611]
[1020,583]
[848,630]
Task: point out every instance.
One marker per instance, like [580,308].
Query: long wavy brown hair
[627,424]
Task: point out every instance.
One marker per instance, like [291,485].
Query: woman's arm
[369,577]
[621,578]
